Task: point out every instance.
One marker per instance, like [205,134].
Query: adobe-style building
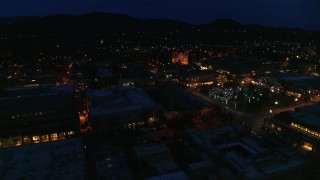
[301,125]
[53,160]
[231,152]
[180,57]
[117,108]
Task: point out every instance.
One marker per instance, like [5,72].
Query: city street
[252,120]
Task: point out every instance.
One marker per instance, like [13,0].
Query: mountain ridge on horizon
[95,14]
[102,22]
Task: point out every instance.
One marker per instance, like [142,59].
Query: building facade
[37,114]
[179,57]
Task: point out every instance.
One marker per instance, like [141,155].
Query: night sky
[285,13]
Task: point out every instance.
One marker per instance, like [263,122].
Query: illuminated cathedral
[180,57]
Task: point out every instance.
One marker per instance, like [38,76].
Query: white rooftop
[245,154]
[117,100]
[52,160]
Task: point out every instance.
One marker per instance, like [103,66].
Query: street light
[270,111]
[276,102]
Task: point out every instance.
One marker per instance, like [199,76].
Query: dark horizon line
[169,19]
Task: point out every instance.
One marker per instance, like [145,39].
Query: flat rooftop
[150,149]
[117,100]
[313,109]
[157,157]
[20,92]
[52,160]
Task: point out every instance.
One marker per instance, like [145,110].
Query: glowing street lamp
[270,112]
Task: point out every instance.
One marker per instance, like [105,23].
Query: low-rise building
[302,125]
[119,108]
[233,153]
[305,87]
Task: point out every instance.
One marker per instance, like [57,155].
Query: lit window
[151,120]
[54,136]
[44,138]
[26,140]
[62,135]
[307,146]
[36,139]
[140,123]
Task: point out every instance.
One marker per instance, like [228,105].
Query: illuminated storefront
[34,139]
[306,130]
[301,125]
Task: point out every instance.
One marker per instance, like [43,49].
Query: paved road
[254,120]
[200,97]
